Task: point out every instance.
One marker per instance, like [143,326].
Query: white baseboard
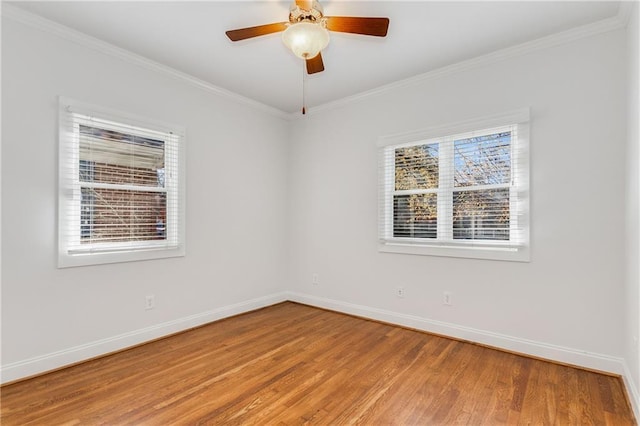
[632,390]
[556,353]
[51,361]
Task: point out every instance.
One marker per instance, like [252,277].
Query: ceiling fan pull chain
[304,110]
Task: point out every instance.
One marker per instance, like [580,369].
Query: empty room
[320,212]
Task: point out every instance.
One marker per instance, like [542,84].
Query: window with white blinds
[121,187]
[459,190]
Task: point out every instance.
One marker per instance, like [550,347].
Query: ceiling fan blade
[260,30]
[356,25]
[315,64]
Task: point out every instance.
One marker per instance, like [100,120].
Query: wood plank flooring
[294,364]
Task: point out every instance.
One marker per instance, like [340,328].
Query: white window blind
[121,182]
[458,190]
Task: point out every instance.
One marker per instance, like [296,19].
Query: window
[459,190]
[121,183]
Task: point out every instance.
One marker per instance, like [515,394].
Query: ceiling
[423,36]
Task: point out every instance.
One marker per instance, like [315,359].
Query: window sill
[93,258]
[520,254]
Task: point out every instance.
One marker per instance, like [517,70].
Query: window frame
[516,248]
[74,113]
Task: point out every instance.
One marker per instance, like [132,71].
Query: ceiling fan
[306,32]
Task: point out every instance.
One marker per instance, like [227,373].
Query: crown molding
[62,31]
[606,25]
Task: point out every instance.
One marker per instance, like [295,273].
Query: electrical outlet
[149,302]
[446,298]
[400,292]
[315,279]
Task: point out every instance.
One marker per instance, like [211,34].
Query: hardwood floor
[293,364]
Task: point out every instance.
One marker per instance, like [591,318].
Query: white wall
[566,303]
[632,288]
[236,216]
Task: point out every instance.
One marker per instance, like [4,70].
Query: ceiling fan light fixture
[305,39]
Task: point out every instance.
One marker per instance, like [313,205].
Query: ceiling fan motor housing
[315,14]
